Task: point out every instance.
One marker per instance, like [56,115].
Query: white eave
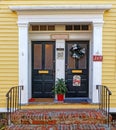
[61,7]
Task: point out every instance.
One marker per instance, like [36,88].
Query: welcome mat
[37,100]
[77,100]
[52,100]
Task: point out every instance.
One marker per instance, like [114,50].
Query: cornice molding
[61,7]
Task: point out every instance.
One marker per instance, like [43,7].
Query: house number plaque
[60,53]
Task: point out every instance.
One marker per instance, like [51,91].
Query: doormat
[77,100]
[52,100]
[32,100]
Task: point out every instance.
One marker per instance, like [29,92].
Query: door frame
[92,14]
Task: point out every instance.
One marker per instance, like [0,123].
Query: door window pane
[75,63]
[82,63]
[37,56]
[71,61]
[48,56]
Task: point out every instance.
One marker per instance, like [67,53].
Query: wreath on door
[77,52]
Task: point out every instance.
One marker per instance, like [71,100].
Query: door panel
[77,68]
[42,69]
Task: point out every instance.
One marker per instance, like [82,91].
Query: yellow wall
[9,43]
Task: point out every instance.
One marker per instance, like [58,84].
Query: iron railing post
[104,101]
[13,101]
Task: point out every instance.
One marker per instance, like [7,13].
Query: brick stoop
[62,119]
[59,127]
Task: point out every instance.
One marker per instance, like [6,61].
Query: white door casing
[92,14]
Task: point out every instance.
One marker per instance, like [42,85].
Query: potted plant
[60,89]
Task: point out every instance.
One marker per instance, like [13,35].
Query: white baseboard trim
[3,109]
[113,110]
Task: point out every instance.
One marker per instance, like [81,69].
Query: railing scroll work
[13,100]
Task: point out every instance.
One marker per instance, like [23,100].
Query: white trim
[113,110]
[61,7]
[97,66]
[60,70]
[3,109]
[23,60]
[92,14]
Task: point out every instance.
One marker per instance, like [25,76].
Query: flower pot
[60,97]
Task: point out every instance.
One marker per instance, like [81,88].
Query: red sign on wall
[97,58]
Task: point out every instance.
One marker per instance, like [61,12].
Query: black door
[42,69]
[77,68]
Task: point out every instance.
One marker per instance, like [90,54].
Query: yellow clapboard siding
[9,78]
[105,74]
[9,82]
[9,28]
[56,1]
[8,55]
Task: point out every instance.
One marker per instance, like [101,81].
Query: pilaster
[23,59]
[97,65]
[60,59]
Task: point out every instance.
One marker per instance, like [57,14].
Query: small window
[51,27]
[68,27]
[43,27]
[35,28]
[85,27]
[76,27]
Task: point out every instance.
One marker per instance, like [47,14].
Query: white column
[60,59]
[23,60]
[97,65]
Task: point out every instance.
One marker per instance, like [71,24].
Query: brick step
[60,116]
[59,127]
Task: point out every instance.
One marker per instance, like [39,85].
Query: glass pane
[37,56]
[71,61]
[68,27]
[82,61]
[76,27]
[75,63]
[85,27]
[43,27]
[51,27]
[48,56]
[35,27]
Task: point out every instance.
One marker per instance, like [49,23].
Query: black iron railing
[104,101]
[13,100]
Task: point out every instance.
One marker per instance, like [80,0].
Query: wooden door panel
[43,72]
[78,67]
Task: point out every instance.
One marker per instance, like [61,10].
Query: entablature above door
[60,13]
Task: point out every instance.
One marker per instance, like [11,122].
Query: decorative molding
[113,110]
[26,24]
[61,7]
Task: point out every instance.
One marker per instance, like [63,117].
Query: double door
[43,69]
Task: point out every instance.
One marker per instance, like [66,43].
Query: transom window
[77,27]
